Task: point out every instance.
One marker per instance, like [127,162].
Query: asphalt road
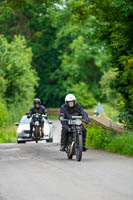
[40,172]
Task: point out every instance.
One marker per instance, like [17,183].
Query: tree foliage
[74,44]
[83,57]
[115,28]
[108,90]
[4,116]
[17,78]
[58,44]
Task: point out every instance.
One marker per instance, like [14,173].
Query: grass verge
[98,138]
[54,117]
[8,135]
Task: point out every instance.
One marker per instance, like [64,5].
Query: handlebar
[29,115]
[74,118]
[44,115]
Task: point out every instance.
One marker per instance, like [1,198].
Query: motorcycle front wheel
[36,134]
[69,151]
[78,147]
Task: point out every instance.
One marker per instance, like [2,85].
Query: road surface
[40,172]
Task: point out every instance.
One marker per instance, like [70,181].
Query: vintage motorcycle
[75,144]
[37,126]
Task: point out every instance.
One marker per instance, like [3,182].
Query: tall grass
[53,117]
[121,144]
[8,135]
[98,138]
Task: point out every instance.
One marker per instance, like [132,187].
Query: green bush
[8,135]
[98,138]
[126,117]
[121,144]
[53,117]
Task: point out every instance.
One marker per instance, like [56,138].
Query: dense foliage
[115,28]
[74,46]
[63,53]
[17,79]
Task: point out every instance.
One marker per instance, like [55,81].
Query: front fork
[73,142]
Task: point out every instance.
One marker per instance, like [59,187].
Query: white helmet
[70,97]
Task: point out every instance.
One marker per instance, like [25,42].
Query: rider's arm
[83,114]
[31,111]
[62,113]
[44,110]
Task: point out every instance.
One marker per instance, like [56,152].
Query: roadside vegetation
[53,117]
[8,135]
[111,112]
[98,138]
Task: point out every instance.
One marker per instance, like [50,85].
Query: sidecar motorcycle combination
[23,130]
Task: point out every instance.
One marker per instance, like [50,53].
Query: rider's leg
[84,138]
[31,128]
[64,137]
[42,128]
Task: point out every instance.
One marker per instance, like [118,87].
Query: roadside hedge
[99,138]
[8,135]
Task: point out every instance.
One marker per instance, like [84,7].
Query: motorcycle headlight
[78,122]
[36,123]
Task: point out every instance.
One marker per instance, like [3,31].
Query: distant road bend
[41,172]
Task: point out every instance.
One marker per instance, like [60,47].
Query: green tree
[52,31]
[83,95]
[115,28]
[116,17]
[17,78]
[83,57]
[113,97]
[32,20]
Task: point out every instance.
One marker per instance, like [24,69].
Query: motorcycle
[75,144]
[37,126]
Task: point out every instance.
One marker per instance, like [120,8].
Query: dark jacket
[77,110]
[40,110]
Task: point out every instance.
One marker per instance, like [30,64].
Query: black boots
[62,148]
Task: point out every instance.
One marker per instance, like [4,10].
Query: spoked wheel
[78,148]
[70,147]
[36,134]
[69,152]
[69,155]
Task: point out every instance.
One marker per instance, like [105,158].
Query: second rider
[37,108]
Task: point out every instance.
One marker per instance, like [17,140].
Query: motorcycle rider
[37,108]
[69,109]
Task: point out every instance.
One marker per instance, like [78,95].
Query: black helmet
[37,101]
